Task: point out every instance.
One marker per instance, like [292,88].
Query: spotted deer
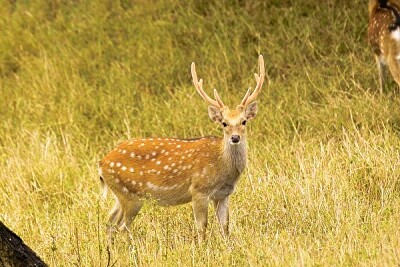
[175,171]
[384,37]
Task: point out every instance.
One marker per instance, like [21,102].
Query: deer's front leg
[381,72]
[222,212]
[394,67]
[200,211]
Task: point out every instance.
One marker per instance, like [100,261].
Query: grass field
[77,77]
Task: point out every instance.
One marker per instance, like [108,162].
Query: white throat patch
[396,34]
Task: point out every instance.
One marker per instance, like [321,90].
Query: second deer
[175,171]
[384,37]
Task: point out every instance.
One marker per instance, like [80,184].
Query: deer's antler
[248,98]
[199,87]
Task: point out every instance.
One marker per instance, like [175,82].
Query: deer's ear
[251,111]
[215,114]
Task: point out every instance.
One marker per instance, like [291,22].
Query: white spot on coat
[152,186]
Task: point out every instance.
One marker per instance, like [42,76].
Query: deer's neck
[235,156]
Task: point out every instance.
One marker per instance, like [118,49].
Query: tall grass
[77,77]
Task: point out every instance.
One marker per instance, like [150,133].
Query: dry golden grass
[77,77]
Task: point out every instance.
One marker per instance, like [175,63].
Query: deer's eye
[224,124]
[244,122]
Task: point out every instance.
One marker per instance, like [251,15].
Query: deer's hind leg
[122,215]
[130,209]
[115,218]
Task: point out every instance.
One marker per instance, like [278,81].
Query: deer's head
[233,121]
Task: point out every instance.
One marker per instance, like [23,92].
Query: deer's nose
[235,139]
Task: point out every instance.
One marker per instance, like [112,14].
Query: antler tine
[259,79]
[199,87]
[220,103]
[246,96]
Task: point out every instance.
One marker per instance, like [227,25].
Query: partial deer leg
[381,73]
[115,218]
[130,210]
[394,67]
[130,213]
[222,212]
[200,210]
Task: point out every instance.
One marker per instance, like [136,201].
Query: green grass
[77,77]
